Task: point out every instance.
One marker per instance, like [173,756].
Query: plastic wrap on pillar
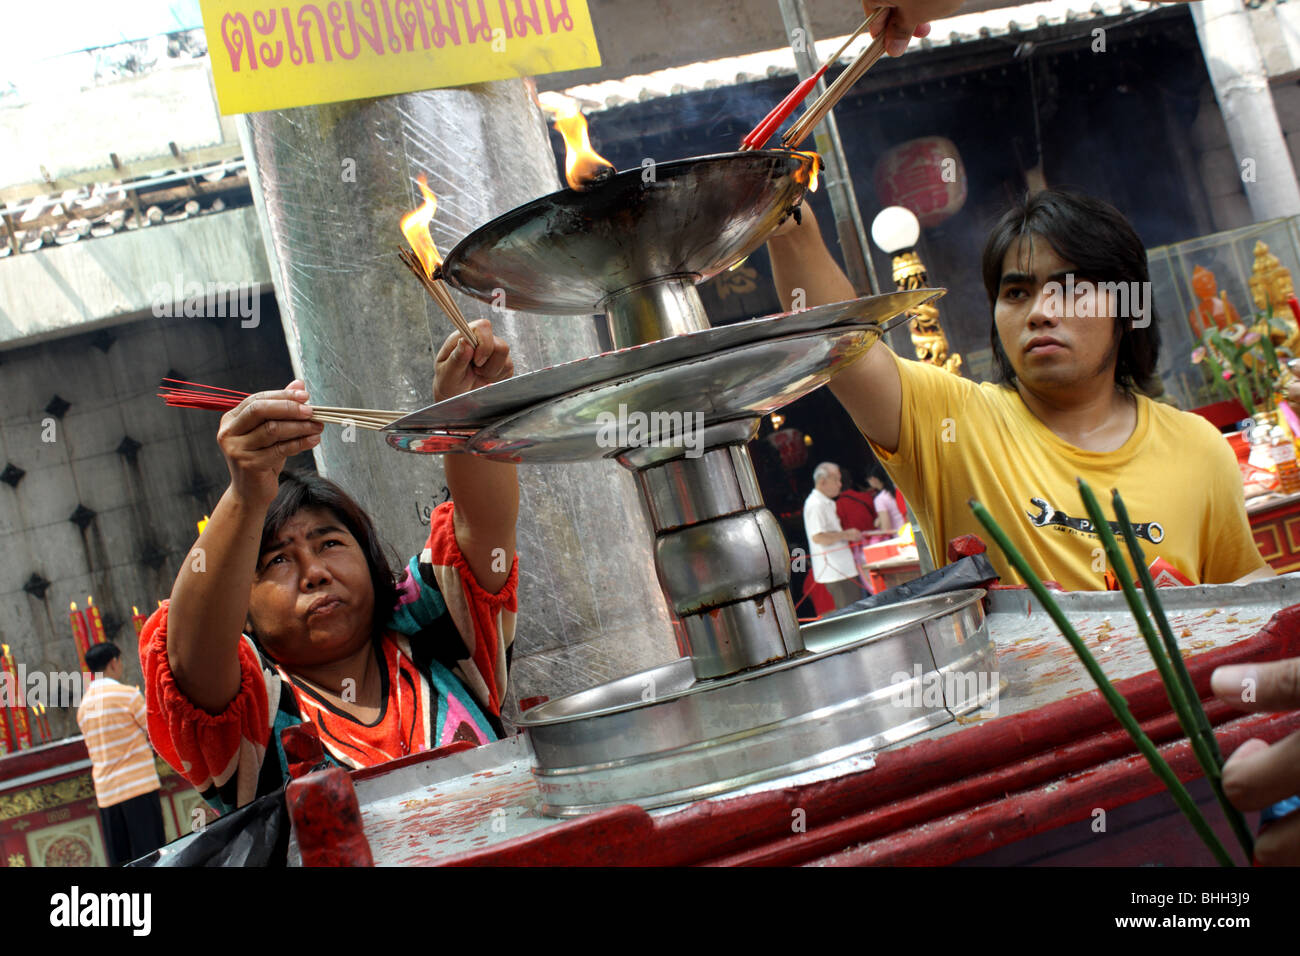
[332,182]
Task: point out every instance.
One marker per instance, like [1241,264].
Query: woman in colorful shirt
[287,610]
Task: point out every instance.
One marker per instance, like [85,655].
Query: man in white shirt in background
[830,546]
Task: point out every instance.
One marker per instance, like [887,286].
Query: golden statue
[1211,309]
[1270,281]
[1270,287]
[927,335]
[930,342]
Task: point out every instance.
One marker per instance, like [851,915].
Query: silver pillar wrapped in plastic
[331,184]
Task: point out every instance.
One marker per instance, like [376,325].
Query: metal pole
[1241,86]
[839,186]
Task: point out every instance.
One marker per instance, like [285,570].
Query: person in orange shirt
[112,720]
[295,616]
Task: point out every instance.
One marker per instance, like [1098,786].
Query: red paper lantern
[926,175]
[790,445]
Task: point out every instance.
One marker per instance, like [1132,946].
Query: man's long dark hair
[300,490]
[1102,246]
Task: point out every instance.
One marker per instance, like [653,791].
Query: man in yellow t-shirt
[1075,343]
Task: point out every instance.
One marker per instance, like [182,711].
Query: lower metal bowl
[661,737]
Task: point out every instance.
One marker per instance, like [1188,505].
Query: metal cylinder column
[655,310]
[721,558]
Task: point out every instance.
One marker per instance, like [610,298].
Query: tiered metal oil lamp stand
[753,697]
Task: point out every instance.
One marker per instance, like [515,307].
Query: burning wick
[426,264]
[583,166]
[814,169]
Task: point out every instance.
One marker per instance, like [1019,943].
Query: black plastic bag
[972,571]
[254,835]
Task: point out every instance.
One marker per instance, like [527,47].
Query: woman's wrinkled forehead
[307,522]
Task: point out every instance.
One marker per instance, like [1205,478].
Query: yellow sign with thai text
[267,55]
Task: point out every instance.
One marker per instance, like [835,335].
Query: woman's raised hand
[460,367]
[259,433]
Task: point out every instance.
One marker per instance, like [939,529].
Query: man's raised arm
[869,389]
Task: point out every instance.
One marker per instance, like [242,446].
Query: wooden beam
[158,198]
[106,174]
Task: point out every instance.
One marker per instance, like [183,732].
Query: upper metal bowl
[567,252]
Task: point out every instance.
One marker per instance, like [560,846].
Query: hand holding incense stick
[459,369]
[815,113]
[180,394]
[770,123]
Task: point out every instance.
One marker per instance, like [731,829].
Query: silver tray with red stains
[485,406]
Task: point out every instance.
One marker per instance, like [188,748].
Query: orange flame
[813,168]
[415,227]
[582,164]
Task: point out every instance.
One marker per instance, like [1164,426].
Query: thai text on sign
[272,56]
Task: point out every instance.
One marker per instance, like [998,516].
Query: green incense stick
[1174,688]
[1214,769]
[1118,706]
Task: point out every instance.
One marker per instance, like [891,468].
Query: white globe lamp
[895,228]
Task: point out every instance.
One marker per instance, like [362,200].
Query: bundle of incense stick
[815,113]
[440,295]
[761,133]
[193,395]
[1168,658]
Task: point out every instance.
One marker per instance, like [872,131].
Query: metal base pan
[660,737]
[483,406]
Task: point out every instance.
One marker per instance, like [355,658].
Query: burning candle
[8,694]
[96,623]
[138,619]
[43,721]
[80,633]
[7,745]
[18,712]
[38,732]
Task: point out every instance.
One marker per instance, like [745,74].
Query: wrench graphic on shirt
[1047,515]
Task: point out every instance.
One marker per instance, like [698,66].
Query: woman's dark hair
[99,656]
[1102,246]
[298,491]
